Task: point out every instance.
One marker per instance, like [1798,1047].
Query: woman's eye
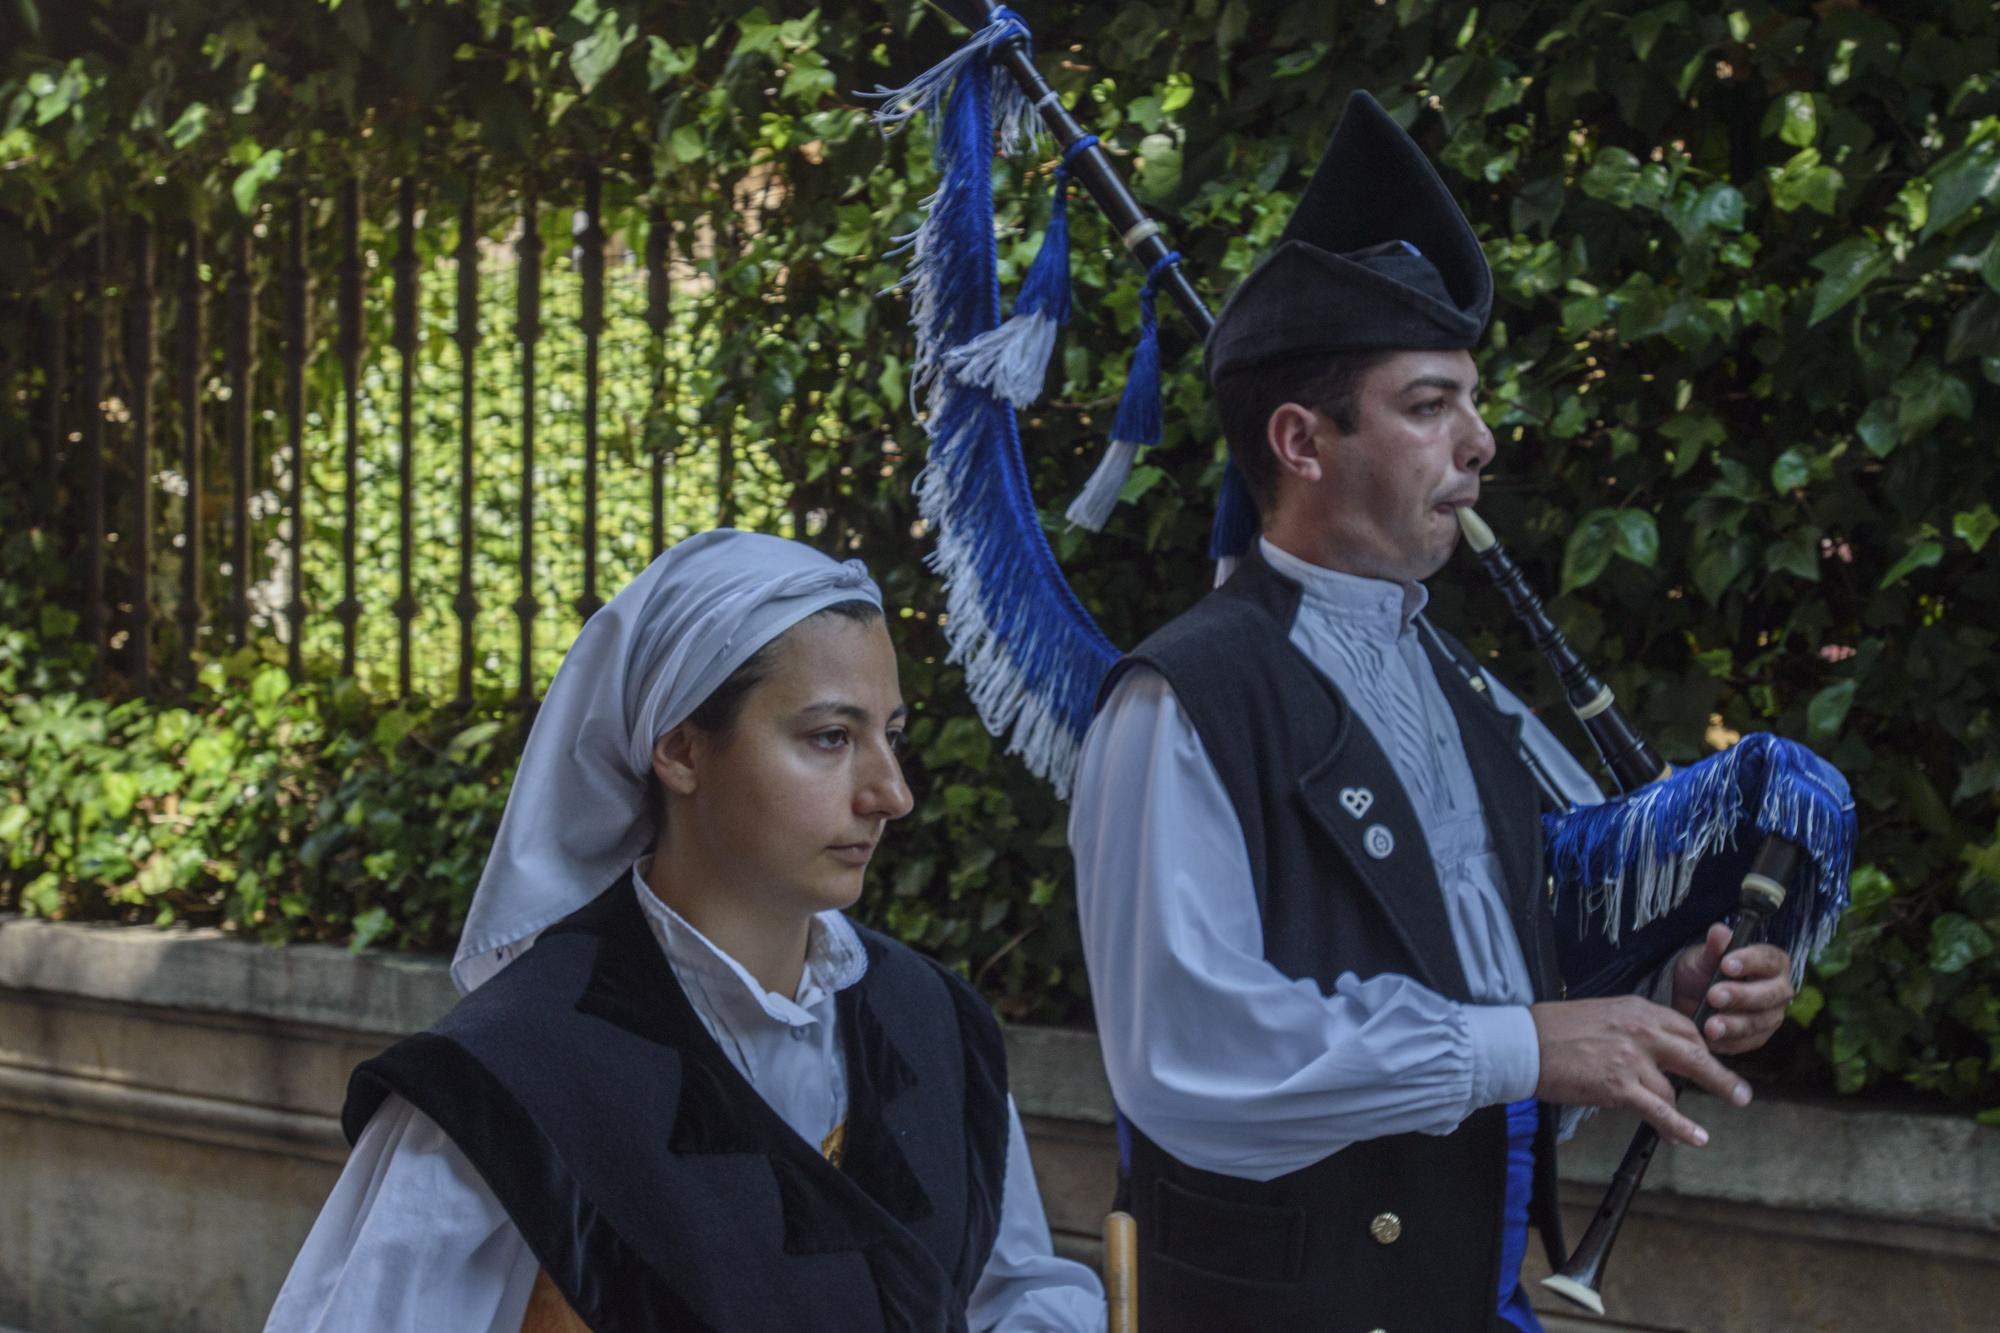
[898,742]
[830,740]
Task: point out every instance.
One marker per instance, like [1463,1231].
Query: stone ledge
[1892,1166]
[208,971]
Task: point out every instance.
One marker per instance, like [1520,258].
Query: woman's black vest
[1399,1233]
[662,1193]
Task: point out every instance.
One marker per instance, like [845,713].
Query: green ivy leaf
[1921,556]
[1975,526]
[1797,555]
[596,55]
[255,177]
[370,926]
[1803,182]
[1877,428]
[1638,536]
[1692,433]
[187,126]
[665,62]
[1957,942]
[1975,329]
[1719,207]
[1792,471]
[1959,181]
[1588,553]
[1798,119]
[1828,710]
[1849,267]
[1806,1005]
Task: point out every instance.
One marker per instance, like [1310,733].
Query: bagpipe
[1763,831]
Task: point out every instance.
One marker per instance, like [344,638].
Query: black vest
[1343,884]
[662,1193]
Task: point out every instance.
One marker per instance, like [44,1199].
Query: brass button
[1387,1228]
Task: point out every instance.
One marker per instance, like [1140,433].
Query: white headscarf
[579,812]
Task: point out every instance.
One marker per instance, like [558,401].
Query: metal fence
[196,536]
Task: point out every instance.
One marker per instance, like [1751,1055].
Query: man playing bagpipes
[1357,926]
[1309,856]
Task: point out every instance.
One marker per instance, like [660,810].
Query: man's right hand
[1619,1052]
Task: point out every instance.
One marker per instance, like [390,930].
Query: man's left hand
[1749,998]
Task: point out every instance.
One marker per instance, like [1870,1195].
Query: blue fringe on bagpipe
[1633,861]
[1032,655]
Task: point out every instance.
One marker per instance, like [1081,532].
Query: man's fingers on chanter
[1757,960]
[1662,1115]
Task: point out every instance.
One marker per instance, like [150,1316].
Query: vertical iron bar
[466,604]
[188,337]
[591,260]
[659,296]
[295,405]
[242,310]
[139,371]
[528,330]
[406,345]
[91,408]
[349,609]
[55,386]
[725,466]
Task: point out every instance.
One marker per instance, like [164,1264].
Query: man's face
[1386,503]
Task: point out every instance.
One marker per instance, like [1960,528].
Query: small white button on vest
[1379,841]
[1356,800]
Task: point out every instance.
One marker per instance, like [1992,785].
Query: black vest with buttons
[1399,1233]
[661,1192]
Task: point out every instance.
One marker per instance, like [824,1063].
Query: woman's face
[788,804]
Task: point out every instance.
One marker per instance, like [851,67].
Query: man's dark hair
[1246,399]
[717,714]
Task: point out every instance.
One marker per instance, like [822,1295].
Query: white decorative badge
[1356,800]
[1379,841]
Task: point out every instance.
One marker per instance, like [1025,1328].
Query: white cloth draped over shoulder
[1220,1058]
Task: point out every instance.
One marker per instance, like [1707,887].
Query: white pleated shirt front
[412,1239]
[1218,1056]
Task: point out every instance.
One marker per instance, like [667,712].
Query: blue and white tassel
[1012,361]
[1138,420]
[1631,860]
[1033,657]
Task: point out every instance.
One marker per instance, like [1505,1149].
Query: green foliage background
[1748,264]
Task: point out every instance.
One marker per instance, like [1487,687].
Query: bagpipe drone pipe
[1763,831]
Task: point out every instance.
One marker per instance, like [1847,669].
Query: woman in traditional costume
[703,1098]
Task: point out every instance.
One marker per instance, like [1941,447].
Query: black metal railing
[244,356]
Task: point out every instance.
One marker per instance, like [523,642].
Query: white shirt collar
[835,959]
[1372,606]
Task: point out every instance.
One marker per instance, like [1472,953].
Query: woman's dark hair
[717,714]
[1247,398]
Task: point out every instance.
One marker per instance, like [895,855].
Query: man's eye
[1430,407]
[899,741]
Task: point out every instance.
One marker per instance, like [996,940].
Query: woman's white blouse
[411,1237]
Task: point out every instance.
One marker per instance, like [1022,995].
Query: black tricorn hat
[1377,256]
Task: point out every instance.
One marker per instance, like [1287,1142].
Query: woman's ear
[675,759]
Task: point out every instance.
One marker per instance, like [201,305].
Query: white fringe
[1093,504]
[1007,703]
[1011,362]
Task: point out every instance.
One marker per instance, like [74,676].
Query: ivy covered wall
[1746,341]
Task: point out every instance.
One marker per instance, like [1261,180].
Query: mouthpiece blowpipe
[1632,761]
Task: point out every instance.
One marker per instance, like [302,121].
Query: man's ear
[1293,434]
[676,759]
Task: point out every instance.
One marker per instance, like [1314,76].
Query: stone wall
[167,1133]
